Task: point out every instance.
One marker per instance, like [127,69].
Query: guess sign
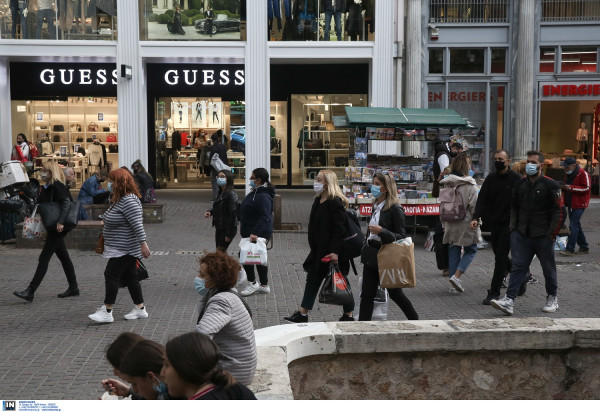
[421,210]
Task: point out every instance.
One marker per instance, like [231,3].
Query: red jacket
[579,189]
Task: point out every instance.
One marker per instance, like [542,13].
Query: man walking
[577,199]
[494,200]
[535,214]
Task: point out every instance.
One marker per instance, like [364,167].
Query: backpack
[354,239]
[33,151]
[452,208]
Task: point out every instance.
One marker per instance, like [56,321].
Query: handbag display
[56,138]
[75,127]
[79,139]
[396,264]
[100,245]
[111,138]
[58,128]
[105,129]
[335,290]
[33,228]
[92,127]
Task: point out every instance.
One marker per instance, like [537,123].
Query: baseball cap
[568,162]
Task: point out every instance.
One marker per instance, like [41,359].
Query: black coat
[144,182]
[495,197]
[326,229]
[535,207]
[224,213]
[221,150]
[392,222]
[256,213]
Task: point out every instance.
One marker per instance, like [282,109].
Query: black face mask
[500,166]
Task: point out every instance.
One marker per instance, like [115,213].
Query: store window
[467,61]
[498,65]
[547,55]
[321,20]
[77,131]
[59,20]
[468,11]
[193,20]
[436,61]
[579,59]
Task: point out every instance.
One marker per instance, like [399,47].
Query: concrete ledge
[496,357]
[153,212]
[271,380]
[83,237]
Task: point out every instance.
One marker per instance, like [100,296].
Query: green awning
[393,116]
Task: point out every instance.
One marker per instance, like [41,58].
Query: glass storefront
[59,19]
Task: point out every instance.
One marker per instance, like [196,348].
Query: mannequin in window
[215,113]
[209,14]
[305,11]
[333,8]
[582,138]
[273,10]
[198,111]
[46,10]
[65,16]
[172,145]
[355,23]
[18,10]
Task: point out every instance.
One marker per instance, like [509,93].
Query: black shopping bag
[335,290]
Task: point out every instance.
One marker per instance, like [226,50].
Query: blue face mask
[221,181]
[531,169]
[200,286]
[375,191]
[471,173]
[161,389]
[569,172]
[109,187]
[252,184]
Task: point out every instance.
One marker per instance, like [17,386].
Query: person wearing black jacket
[224,211]
[494,200]
[326,230]
[54,190]
[386,226]
[144,181]
[256,220]
[219,148]
[534,220]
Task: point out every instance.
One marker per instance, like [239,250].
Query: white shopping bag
[242,277]
[253,253]
[380,303]
[218,164]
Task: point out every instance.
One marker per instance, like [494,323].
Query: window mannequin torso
[582,138]
[169,134]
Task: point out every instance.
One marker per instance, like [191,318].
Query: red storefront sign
[570,90]
[421,210]
[365,210]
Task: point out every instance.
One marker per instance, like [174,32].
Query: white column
[382,75]
[5,119]
[414,82]
[131,94]
[257,90]
[524,99]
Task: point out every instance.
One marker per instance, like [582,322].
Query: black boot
[27,294]
[489,297]
[71,291]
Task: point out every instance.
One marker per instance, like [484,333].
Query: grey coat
[228,323]
[459,233]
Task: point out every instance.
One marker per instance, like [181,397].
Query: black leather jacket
[535,207]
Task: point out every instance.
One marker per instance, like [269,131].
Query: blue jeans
[17,15]
[522,250]
[49,15]
[337,15]
[455,262]
[576,235]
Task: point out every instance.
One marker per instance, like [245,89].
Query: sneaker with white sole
[505,304]
[136,313]
[102,316]
[457,284]
[250,289]
[551,304]
[264,289]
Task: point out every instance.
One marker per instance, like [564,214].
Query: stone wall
[83,237]
[152,212]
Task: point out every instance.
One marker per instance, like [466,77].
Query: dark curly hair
[221,268]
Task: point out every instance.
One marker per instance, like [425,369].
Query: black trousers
[220,240]
[314,281]
[262,273]
[55,243]
[500,236]
[171,153]
[369,289]
[123,269]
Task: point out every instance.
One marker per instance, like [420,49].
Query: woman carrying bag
[386,226]
[326,229]
[124,243]
[54,189]
[224,211]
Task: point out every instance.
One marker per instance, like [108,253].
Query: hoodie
[256,213]
[459,233]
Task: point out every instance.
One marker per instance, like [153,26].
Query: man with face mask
[534,222]
[91,191]
[577,199]
[493,204]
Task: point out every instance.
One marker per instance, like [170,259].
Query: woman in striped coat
[124,243]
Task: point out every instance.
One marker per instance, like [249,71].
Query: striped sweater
[123,226]
[228,323]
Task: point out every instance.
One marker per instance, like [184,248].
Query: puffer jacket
[224,213]
[460,233]
[256,213]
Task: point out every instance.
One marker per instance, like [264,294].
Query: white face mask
[318,187]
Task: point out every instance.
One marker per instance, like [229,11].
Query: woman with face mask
[224,211]
[53,190]
[326,229]
[224,316]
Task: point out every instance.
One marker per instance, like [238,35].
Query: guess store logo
[78,77]
[204,77]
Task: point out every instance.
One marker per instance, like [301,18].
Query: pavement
[51,350]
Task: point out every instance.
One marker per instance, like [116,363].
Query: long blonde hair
[391,194]
[56,170]
[333,187]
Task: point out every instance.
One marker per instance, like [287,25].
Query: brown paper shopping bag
[396,264]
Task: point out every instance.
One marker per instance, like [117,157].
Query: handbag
[111,138]
[142,272]
[149,196]
[396,264]
[380,303]
[50,211]
[335,290]
[253,253]
[58,128]
[75,127]
[92,127]
[79,139]
[218,164]
[100,245]
[113,148]
[33,228]
[105,129]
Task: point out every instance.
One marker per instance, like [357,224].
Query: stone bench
[83,237]
[153,212]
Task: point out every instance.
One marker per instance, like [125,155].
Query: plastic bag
[253,253]
[335,290]
[429,241]
[218,164]
[560,243]
[380,303]
[242,277]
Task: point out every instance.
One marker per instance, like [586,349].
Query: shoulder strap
[353,267]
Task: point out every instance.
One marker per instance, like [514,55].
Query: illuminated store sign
[573,91]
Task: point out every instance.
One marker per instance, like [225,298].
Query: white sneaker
[456,284]
[136,313]
[264,289]
[250,289]
[551,304]
[102,316]
[505,304]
